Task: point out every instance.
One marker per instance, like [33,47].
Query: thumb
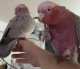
[18,47]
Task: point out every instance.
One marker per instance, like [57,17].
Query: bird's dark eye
[49,9]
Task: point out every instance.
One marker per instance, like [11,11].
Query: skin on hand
[38,57]
[27,55]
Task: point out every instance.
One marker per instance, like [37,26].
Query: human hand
[28,50]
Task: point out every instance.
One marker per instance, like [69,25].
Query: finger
[27,44]
[18,47]
[23,60]
[27,61]
[21,38]
[17,50]
[22,55]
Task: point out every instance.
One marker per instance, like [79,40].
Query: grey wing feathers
[5,38]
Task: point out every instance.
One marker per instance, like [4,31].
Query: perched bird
[20,26]
[60,24]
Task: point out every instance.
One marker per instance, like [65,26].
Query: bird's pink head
[45,9]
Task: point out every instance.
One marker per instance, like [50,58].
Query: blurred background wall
[7,7]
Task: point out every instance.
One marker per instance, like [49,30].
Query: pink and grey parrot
[19,26]
[60,23]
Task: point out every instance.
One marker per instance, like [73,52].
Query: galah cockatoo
[60,24]
[20,26]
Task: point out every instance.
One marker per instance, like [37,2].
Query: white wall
[7,6]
